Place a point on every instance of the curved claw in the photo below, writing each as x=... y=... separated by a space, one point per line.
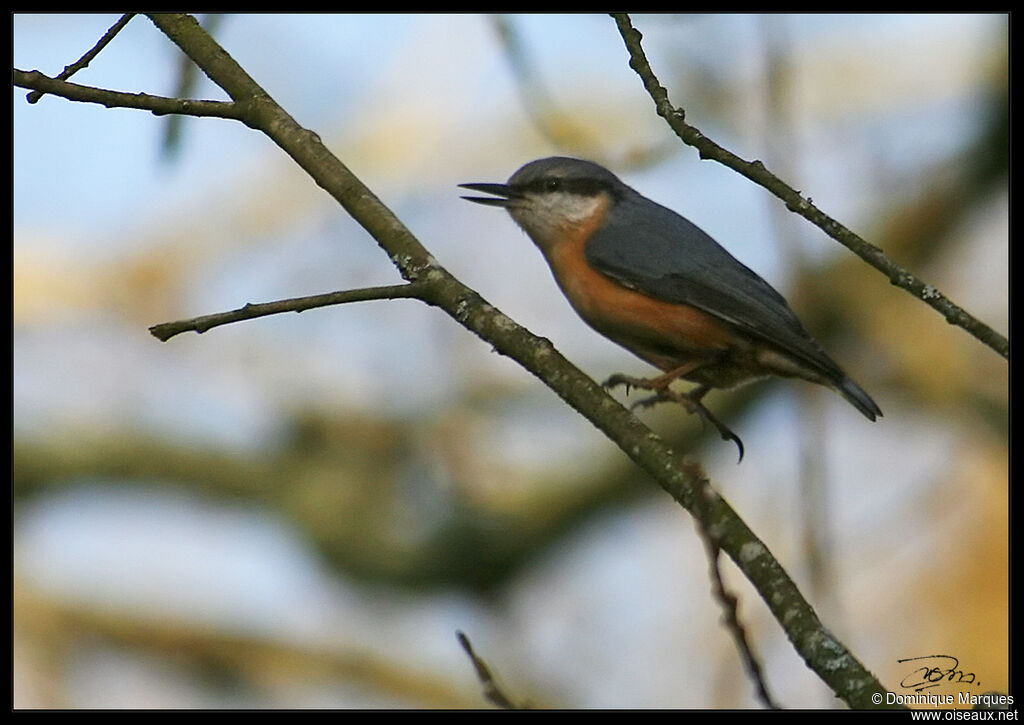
x=723 y=430
x=739 y=444
x=691 y=401
x=728 y=435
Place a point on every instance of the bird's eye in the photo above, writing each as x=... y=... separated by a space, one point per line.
x=552 y=184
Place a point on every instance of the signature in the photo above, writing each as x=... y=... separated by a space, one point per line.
x=934 y=670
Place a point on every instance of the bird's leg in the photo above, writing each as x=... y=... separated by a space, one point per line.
x=691 y=401
x=663 y=393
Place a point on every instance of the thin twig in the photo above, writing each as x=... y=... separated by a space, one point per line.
x=491 y=690
x=83 y=62
x=756 y=172
x=727 y=599
x=166 y=330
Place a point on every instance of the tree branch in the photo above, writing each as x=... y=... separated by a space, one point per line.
x=166 y=330
x=756 y=172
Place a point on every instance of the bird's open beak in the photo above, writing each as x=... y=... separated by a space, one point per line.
x=500 y=190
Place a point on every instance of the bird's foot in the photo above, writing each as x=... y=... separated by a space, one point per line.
x=664 y=394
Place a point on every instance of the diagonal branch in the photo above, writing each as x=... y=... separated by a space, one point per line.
x=166 y=330
x=84 y=61
x=756 y=172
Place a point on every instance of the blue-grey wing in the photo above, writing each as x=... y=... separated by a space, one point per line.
x=649 y=248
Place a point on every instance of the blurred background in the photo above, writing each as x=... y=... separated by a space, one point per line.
x=300 y=511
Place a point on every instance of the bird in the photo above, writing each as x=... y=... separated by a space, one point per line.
x=653 y=282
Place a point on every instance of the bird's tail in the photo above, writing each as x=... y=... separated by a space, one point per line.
x=859 y=399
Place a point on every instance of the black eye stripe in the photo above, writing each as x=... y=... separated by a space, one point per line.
x=583 y=187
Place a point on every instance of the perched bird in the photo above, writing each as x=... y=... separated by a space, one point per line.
x=651 y=281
